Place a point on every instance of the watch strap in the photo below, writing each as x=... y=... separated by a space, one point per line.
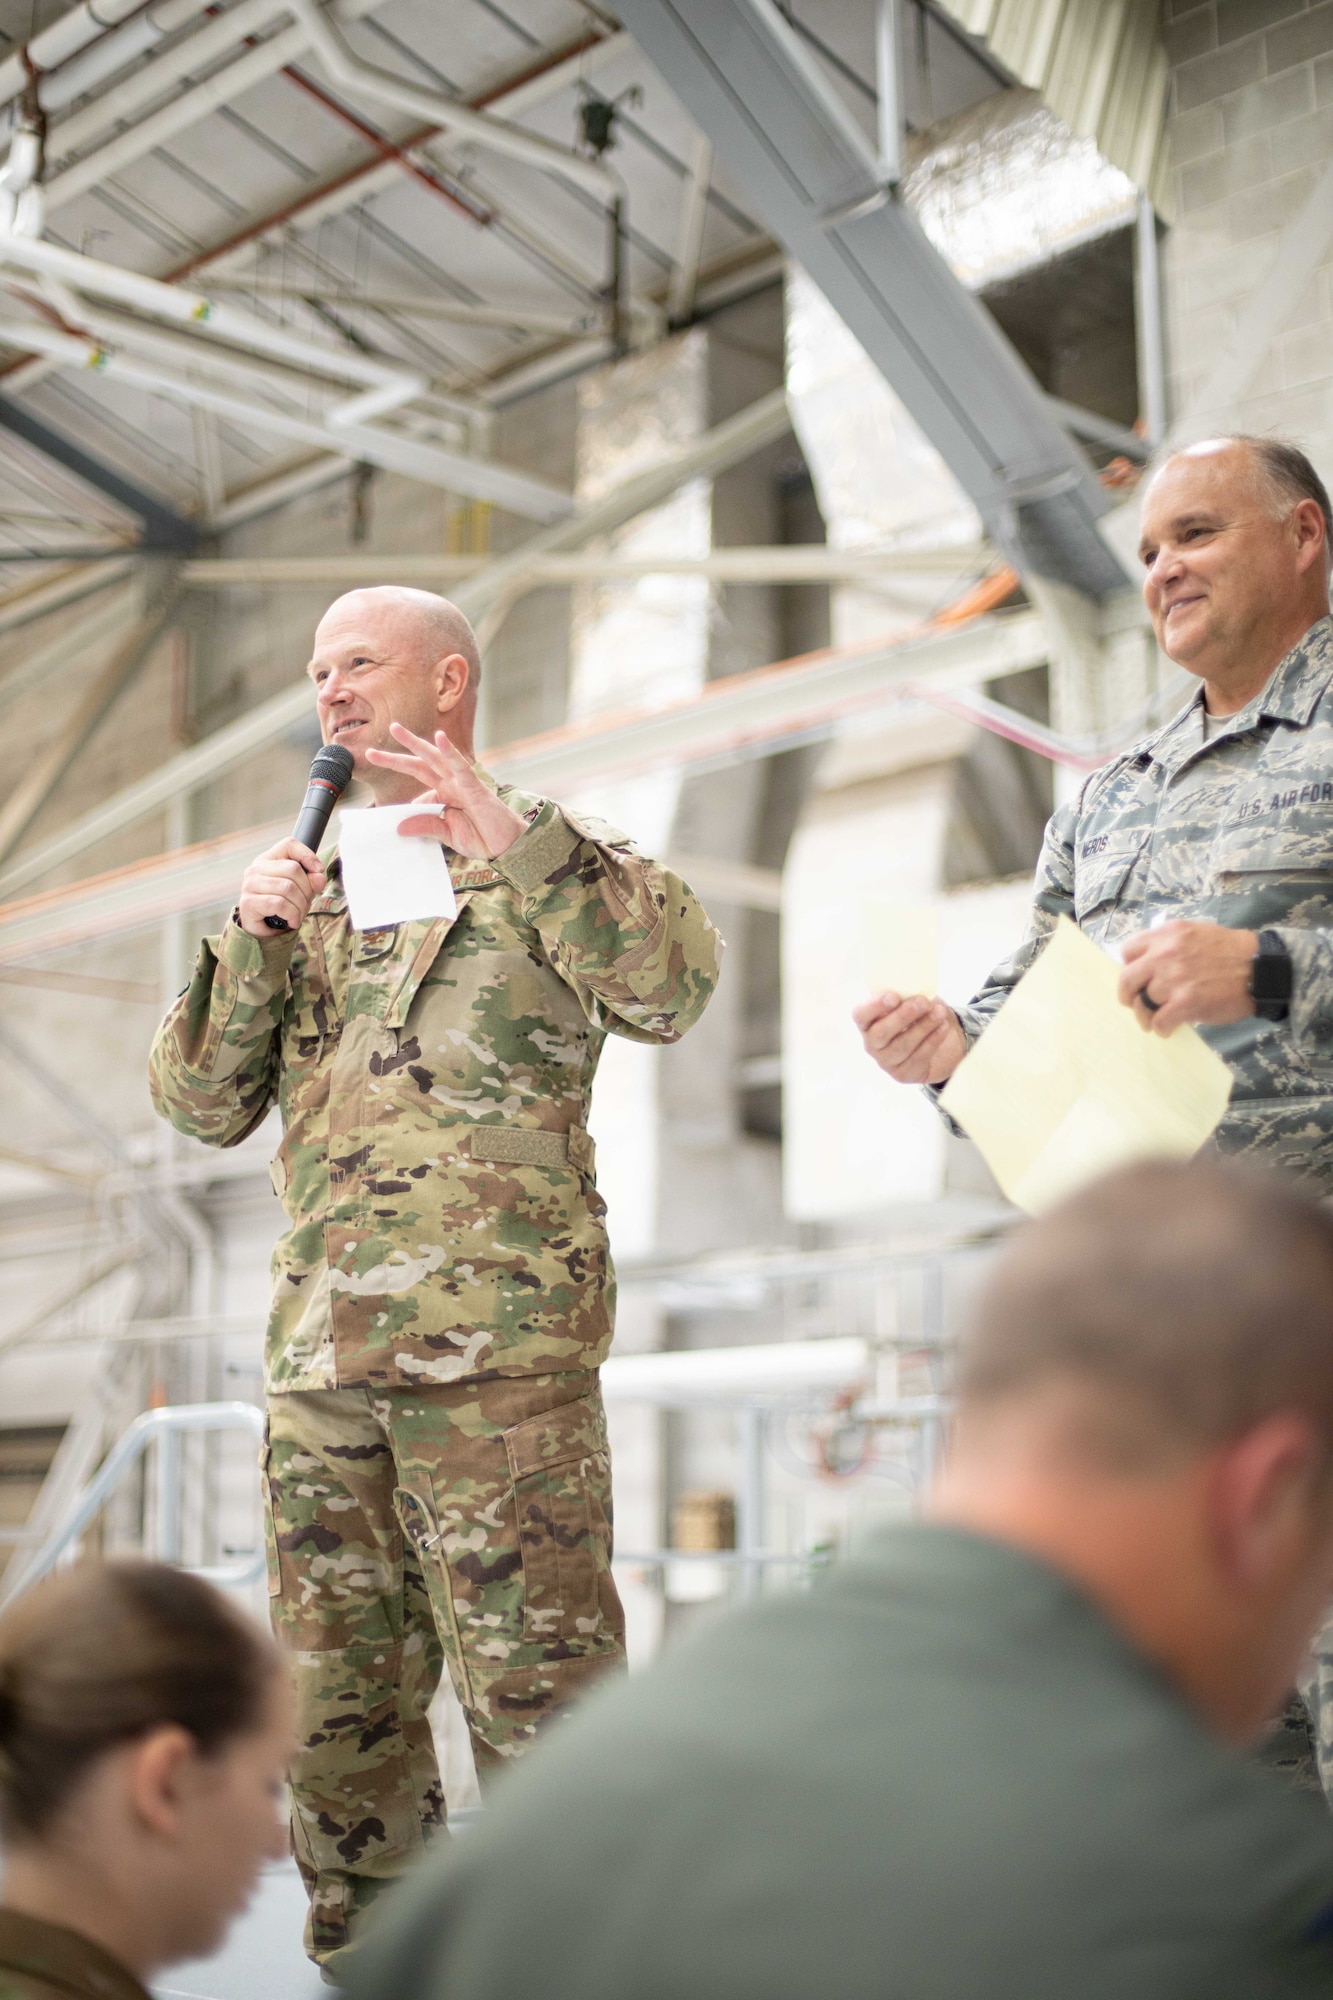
x=1271 y=978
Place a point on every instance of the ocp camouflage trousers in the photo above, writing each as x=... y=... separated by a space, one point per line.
x=1315 y=1684
x=409 y=1528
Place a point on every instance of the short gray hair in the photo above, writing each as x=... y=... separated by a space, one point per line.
x=1286 y=472
x=1192 y=1299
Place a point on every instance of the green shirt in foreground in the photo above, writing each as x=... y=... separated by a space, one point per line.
x=942 y=1776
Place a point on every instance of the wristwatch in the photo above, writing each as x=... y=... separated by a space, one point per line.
x=1270 y=978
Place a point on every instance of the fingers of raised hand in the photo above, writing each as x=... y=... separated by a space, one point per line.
x=398 y=761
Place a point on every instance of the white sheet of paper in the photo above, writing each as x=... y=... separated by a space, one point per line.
x=1064 y=1084
x=390 y=879
x=901 y=942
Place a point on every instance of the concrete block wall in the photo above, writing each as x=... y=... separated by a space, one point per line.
x=1249 y=133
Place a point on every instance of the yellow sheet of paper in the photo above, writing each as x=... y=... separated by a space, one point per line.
x=1064 y=1084
x=901 y=942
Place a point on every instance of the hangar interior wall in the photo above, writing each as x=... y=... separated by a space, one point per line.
x=764 y=1134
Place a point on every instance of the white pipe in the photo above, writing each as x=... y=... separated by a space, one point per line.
x=787 y=562
x=412 y=303
x=366 y=80
x=267 y=494
x=23 y=160
x=116 y=51
x=182 y=111
x=483 y=479
x=151 y=81
x=376 y=402
x=175 y=350
x=787 y=1371
x=21 y=203
x=252 y=68
x=63 y=39
x=195 y=310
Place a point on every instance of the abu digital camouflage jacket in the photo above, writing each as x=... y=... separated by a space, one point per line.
x=434 y=1083
x=1234 y=830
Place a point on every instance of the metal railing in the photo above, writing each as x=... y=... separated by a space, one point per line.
x=161 y=1431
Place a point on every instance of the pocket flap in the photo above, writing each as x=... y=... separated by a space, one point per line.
x=570 y=1432
x=1294 y=851
x=431 y=935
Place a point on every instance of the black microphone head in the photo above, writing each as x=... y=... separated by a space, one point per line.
x=332 y=766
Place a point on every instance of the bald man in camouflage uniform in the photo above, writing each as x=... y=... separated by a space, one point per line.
x=438 y=1484
x=1205 y=852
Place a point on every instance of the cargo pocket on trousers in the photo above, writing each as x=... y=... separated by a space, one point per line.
x=272 y=1560
x=554 y=1460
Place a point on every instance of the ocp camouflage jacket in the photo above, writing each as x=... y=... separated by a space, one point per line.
x=434 y=1082
x=1237 y=830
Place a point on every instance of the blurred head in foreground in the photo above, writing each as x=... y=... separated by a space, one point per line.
x=992 y=1757
x=143 y=1742
x=1147 y=1402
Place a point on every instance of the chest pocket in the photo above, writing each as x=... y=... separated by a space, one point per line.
x=424 y=943
x=1242 y=856
x=1101 y=877
x=1274 y=877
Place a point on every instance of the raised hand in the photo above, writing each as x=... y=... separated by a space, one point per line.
x=473 y=820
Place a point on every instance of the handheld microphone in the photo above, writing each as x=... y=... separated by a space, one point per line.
x=328 y=781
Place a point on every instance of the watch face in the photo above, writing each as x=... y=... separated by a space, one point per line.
x=1270 y=976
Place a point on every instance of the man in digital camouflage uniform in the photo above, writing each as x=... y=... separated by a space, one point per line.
x=438 y=1485
x=1205 y=853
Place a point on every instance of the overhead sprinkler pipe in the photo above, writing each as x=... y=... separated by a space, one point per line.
x=118 y=331
x=21 y=205
x=367 y=80
x=376 y=402
x=480 y=478
x=111 y=47
x=200 y=313
x=205 y=53
x=56 y=44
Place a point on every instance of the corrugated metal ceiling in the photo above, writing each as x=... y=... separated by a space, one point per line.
x=330 y=217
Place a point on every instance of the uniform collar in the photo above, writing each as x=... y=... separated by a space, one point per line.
x=1290 y=695
x=58 y=1957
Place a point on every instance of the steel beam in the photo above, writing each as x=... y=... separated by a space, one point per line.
x=743 y=715
x=814 y=180
x=164 y=530
x=727 y=444
x=781 y=562
x=45 y=771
